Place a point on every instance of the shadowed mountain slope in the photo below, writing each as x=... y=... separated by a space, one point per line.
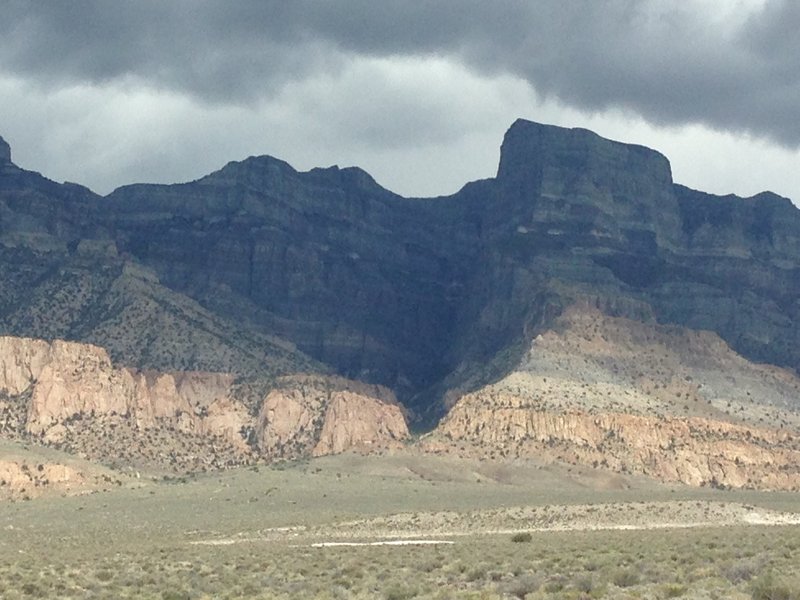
x=421 y=295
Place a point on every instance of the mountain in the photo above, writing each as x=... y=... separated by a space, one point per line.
x=266 y=273
x=659 y=400
x=70 y=396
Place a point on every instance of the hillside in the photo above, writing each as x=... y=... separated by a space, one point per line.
x=687 y=303
x=635 y=397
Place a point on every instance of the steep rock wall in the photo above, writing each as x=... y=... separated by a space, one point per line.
x=309 y=415
x=65 y=393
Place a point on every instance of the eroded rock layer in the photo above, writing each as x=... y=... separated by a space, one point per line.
x=71 y=396
x=663 y=401
x=317 y=416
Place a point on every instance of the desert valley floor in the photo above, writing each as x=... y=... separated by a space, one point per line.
x=399 y=525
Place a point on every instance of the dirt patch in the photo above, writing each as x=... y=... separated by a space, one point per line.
x=421 y=527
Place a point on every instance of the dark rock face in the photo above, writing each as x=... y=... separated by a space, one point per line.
x=582 y=217
x=359 y=278
x=425 y=294
x=738 y=274
x=5 y=152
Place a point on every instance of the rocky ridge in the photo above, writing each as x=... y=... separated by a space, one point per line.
x=71 y=396
x=309 y=415
x=663 y=401
x=257 y=273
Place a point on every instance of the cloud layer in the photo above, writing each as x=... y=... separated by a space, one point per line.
x=374 y=81
x=736 y=69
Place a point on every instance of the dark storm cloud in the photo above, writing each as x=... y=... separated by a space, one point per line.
x=668 y=62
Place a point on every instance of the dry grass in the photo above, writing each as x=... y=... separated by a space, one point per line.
x=137 y=542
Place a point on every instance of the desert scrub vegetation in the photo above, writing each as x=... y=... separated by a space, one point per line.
x=247 y=533
x=577 y=565
x=773 y=586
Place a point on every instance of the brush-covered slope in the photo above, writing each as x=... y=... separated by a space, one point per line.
x=72 y=397
x=664 y=401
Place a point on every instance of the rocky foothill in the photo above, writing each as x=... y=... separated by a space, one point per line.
x=69 y=396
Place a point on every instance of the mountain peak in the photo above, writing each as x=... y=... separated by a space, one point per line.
x=530 y=150
x=5 y=152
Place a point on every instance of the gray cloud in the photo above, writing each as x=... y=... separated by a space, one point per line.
x=672 y=65
x=418 y=93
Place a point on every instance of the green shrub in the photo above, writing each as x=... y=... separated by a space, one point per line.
x=584 y=583
x=674 y=590
x=399 y=592
x=625 y=578
x=770 y=587
x=522 y=536
x=742 y=570
x=174 y=595
x=521 y=586
x=105 y=575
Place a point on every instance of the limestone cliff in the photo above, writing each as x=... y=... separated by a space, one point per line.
x=663 y=401
x=572 y=217
x=75 y=398
x=418 y=295
x=71 y=395
x=688 y=450
x=317 y=416
x=262 y=271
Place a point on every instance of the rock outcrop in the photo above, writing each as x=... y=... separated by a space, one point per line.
x=72 y=391
x=25 y=480
x=71 y=395
x=662 y=401
x=318 y=416
x=690 y=450
x=5 y=152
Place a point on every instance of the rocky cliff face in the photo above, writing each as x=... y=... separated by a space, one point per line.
x=576 y=218
x=327 y=259
x=663 y=401
x=693 y=451
x=70 y=395
x=312 y=416
x=413 y=294
x=264 y=272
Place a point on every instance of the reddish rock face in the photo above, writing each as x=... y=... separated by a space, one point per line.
x=67 y=387
x=691 y=450
x=614 y=393
x=319 y=416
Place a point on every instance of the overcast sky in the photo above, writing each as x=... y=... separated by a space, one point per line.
x=418 y=93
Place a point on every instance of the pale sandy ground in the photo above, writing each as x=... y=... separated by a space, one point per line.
x=431 y=527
